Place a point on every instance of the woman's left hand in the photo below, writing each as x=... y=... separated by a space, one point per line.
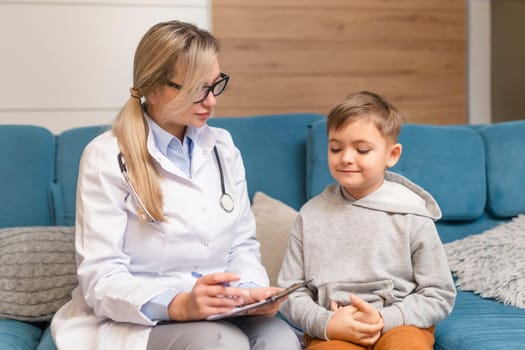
x=257 y=294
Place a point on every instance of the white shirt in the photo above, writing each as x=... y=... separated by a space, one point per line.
x=123 y=262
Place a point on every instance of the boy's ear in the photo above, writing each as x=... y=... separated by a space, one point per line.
x=395 y=154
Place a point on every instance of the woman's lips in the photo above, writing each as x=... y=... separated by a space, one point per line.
x=204 y=115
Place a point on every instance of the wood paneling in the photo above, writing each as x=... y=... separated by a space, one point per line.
x=305 y=56
x=367 y=4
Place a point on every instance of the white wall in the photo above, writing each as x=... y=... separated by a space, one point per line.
x=68 y=63
x=479 y=48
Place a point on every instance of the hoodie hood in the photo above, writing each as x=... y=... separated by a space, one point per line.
x=397 y=195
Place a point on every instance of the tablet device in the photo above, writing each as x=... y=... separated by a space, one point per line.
x=241 y=310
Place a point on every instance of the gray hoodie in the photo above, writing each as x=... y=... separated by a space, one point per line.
x=384 y=248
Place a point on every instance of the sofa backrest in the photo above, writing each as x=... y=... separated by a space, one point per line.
x=449 y=162
x=477 y=173
x=27 y=154
x=70 y=145
x=274 y=157
x=505 y=152
x=457 y=164
x=274 y=154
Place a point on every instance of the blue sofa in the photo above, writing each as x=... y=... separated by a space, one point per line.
x=476 y=173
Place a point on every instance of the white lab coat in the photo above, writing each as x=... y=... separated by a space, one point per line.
x=123 y=263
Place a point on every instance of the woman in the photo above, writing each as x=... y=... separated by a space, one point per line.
x=164 y=230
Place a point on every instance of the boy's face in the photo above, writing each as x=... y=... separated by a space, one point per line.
x=358 y=156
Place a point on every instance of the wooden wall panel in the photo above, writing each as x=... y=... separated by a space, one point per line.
x=305 y=56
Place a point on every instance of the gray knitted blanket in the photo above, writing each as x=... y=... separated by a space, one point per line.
x=492 y=264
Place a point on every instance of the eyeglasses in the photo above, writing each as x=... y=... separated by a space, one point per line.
x=216 y=88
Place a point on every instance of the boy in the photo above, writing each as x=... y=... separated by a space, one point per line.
x=380 y=274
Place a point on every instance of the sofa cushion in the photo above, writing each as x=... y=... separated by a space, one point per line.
x=27 y=155
x=18 y=335
x=317 y=173
x=455 y=179
x=481 y=324
x=504 y=146
x=273 y=148
x=46 y=341
x=274 y=221
x=70 y=145
x=37 y=271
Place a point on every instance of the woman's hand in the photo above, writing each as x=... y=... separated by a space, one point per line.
x=257 y=294
x=360 y=322
x=210 y=295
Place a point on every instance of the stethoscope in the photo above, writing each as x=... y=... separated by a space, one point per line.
x=226 y=200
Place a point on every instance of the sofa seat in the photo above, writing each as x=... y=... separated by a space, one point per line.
x=481 y=324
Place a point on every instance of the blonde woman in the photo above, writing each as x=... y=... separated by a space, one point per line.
x=164 y=233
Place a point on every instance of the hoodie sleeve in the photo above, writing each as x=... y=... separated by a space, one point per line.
x=435 y=294
x=301 y=308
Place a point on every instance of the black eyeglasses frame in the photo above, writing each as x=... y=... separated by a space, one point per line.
x=223 y=78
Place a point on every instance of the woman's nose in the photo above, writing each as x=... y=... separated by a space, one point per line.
x=210 y=100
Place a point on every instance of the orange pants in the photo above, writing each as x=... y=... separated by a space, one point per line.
x=398 y=338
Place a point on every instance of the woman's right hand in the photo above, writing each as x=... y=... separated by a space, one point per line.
x=210 y=295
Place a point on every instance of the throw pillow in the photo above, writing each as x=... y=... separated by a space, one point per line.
x=37 y=271
x=492 y=264
x=274 y=221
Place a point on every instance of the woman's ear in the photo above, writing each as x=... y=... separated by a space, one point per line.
x=153 y=97
x=395 y=154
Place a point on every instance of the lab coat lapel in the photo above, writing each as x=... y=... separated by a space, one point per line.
x=200 y=156
x=204 y=141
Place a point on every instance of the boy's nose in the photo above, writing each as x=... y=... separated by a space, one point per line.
x=348 y=156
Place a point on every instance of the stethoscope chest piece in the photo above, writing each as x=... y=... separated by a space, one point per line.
x=227 y=202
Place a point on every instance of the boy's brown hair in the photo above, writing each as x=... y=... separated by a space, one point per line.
x=365 y=104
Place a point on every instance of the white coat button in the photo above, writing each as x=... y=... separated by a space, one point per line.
x=206 y=244
x=204 y=152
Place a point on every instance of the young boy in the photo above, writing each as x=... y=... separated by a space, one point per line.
x=380 y=274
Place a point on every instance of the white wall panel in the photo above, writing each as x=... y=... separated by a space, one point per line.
x=479 y=62
x=69 y=63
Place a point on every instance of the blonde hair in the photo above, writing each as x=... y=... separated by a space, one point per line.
x=165 y=47
x=365 y=104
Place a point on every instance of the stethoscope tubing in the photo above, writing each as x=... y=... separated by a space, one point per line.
x=226 y=200
x=124 y=171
